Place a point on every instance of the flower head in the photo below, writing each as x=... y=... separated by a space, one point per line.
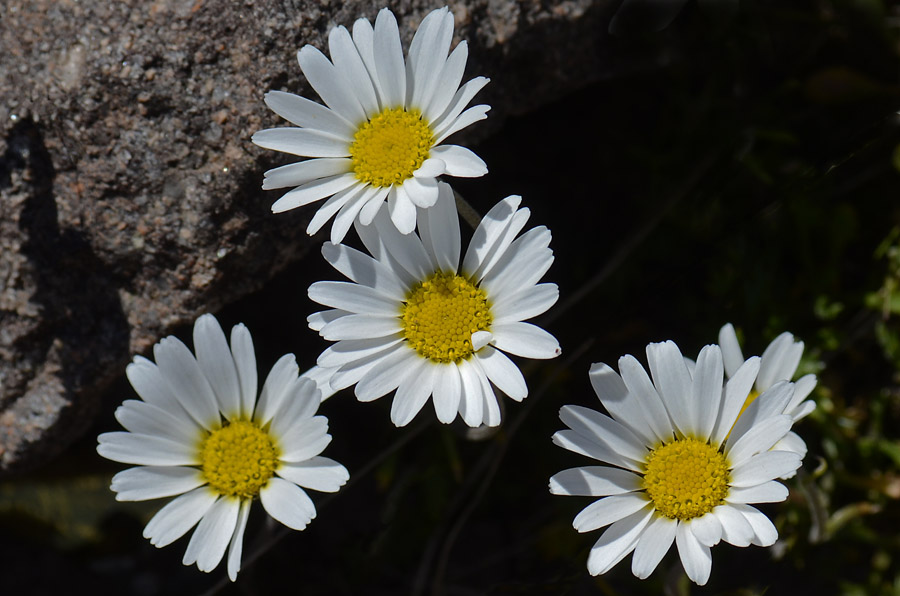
x=682 y=463
x=779 y=362
x=380 y=136
x=415 y=321
x=199 y=434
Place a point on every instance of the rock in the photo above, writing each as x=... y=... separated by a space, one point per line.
x=129 y=189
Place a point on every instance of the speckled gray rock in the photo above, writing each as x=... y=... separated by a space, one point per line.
x=130 y=194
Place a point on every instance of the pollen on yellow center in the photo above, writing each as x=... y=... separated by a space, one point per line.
x=389 y=147
x=686 y=478
x=441 y=314
x=238 y=459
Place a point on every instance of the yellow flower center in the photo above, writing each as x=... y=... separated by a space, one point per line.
x=391 y=146
x=441 y=314
x=238 y=459
x=686 y=478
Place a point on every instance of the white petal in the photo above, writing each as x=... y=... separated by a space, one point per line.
x=653 y=545
x=764 y=467
x=459 y=161
x=574 y=441
x=303 y=142
x=406 y=250
x=355 y=327
x=331 y=85
x=672 y=380
x=389 y=65
x=146 y=419
x=604 y=429
x=187 y=382
x=767 y=492
x=645 y=396
x=353 y=298
x=151 y=385
x=494 y=234
x=287 y=503
x=306 y=113
x=526 y=303
x=769 y=404
x=413 y=391
x=180 y=515
x=304 y=439
x=707 y=529
x=736 y=529
x=245 y=360
x=364 y=40
x=280 y=378
x=314 y=191
x=458 y=103
x=481 y=339
x=502 y=372
x=297 y=174
x=448 y=81
x=402 y=210
x=350 y=350
x=759 y=438
x=343 y=221
x=622 y=405
x=779 y=361
x=764 y=530
x=145 y=450
x=791 y=442
x=236 y=547
x=423 y=192
x=363 y=269
x=467 y=118
x=153 y=482
x=321 y=376
x=696 y=558
x=216 y=362
x=213 y=534
x=607 y=510
x=732 y=356
x=594 y=481
x=431 y=168
x=317 y=473
x=473 y=386
x=301 y=400
x=802 y=388
x=393 y=368
x=737 y=389
x=347 y=60
x=526 y=340
x=617 y=541
x=524 y=262
x=447 y=392
x=427 y=54
x=332 y=206
x=439 y=230
x=707 y=391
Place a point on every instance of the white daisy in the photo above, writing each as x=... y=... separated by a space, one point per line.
x=380 y=135
x=199 y=433
x=416 y=321
x=680 y=466
x=779 y=363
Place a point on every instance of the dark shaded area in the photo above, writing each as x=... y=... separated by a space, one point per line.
x=738 y=168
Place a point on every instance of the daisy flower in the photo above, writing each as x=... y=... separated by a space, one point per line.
x=415 y=321
x=199 y=434
x=380 y=136
x=680 y=465
x=778 y=363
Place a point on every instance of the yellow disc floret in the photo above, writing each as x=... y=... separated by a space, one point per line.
x=238 y=459
x=391 y=146
x=686 y=478
x=441 y=314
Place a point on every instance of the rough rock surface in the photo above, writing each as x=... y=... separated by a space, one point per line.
x=130 y=193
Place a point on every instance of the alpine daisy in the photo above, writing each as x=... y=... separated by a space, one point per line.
x=414 y=320
x=380 y=135
x=680 y=465
x=199 y=434
x=779 y=362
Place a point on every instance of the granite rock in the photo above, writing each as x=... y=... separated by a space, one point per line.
x=130 y=196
